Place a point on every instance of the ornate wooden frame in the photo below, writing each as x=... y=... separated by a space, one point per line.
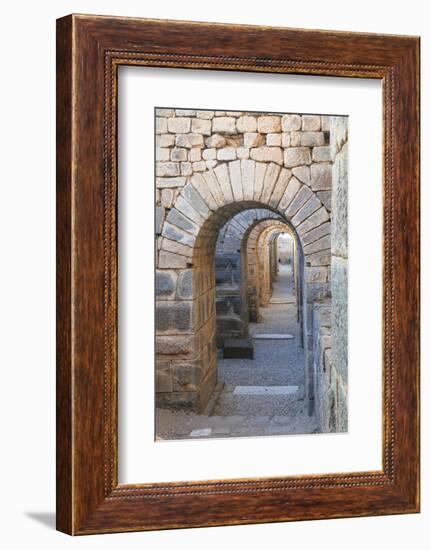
x=89 y=50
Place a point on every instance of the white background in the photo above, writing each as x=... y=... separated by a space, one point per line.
x=27 y=276
x=141 y=458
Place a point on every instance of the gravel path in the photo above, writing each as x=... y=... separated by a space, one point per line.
x=276 y=363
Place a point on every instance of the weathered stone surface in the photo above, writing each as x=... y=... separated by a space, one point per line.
x=170 y=182
x=302 y=173
x=196 y=201
x=160 y=217
x=316 y=219
x=208 y=154
x=178 y=345
x=285 y=139
x=312 y=139
x=166 y=282
x=273 y=140
x=162 y=154
x=165 y=140
x=321 y=177
x=204 y=191
x=236 y=180
x=319 y=258
x=326 y=199
x=177 y=218
x=214 y=186
x=323 y=243
x=208 y=115
x=246 y=124
x=280 y=187
x=289 y=194
x=242 y=153
x=226 y=125
x=252 y=139
x=185 y=285
x=295 y=139
x=259 y=176
x=267 y=154
x=185 y=112
x=177 y=248
x=339 y=285
x=339 y=129
x=186 y=169
x=310 y=123
x=179 y=125
x=340 y=204
x=173 y=261
x=321 y=154
x=312 y=204
x=174 y=316
x=297 y=156
x=167 y=197
x=167 y=169
x=178 y=154
x=199 y=166
x=300 y=198
x=268 y=124
x=210 y=164
x=165 y=112
x=164 y=380
x=215 y=141
x=201 y=126
x=321 y=231
x=291 y=123
x=316 y=274
x=222 y=175
x=161 y=125
x=271 y=176
x=186 y=376
x=226 y=153
x=175 y=233
x=247 y=171
x=187 y=209
x=195 y=154
x=189 y=140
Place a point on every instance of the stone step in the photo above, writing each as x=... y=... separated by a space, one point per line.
x=265 y=390
x=271 y=336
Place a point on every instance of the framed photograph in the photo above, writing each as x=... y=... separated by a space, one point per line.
x=237 y=274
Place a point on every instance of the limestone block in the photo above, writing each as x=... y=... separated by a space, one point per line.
x=280 y=187
x=325 y=123
x=222 y=175
x=177 y=248
x=169 y=260
x=323 y=243
x=236 y=180
x=166 y=283
x=167 y=169
x=296 y=156
x=259 y=176
x=300 y=199
x=246 y=124
x=312 y=139
x=174 y=316
x=226 y=153
x=185 y=112
x=267 y=154
x=220 y=113
x=177 y=345
x=163 y=381
x=195 y=154
x=178 y=154
x=295 y=139
x=208 y=115
x=165 y=112
x=165 y=140
x=310 y=123
x=185 y=285
x=273 y=140
x=242 y=153
x=179 y=125
x=285 y=139
x=215 y=141
x=210 y=164
x=271 y=176
x=186 y=376
x=290 y=192
x=253 y=139
x=319 y=258
x=247 y=171
x=204 y=191
x=340 y=205
x=162 y=153
x=321 y=231
x=325 y=198
x=302 y=173
x=195 y=200
x=167 y=197
x=179 y=220
x=214 y=185
x=339 y=130
x=312 y=204
x=316 y=219
x=201 y=126
x=291 y=123
x=160 y=218
x=209 y=154
x=170 y=182
x=161 y=125
x=268 y=124
x=316 y=274
x=199 y=166
x=321 y=177
x=186 y=169
x=183 y=205
x=177 y=234
x=224 y=124
x=189 y=140
x=321 y=154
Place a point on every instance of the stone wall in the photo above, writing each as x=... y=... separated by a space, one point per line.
x=210 y=166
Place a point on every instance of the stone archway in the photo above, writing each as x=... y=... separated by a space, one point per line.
x=185 y=279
